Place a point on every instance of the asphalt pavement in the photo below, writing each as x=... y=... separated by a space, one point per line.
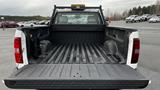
x=149 y=63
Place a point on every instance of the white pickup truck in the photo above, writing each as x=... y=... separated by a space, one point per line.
x=76 y=51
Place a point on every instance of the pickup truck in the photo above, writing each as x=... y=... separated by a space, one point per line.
x=77 y=50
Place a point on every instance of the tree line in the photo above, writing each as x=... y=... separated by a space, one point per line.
x=140 y=10
x=23 y=18
x=153 y=9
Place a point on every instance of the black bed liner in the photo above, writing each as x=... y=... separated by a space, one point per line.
x=79 y=54
x=76 y=76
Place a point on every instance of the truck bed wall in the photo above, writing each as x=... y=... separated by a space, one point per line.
x=77 y=34
x=62 y=37
x=121 y=37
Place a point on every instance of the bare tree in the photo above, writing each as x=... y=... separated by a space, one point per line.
x=125 y=14
x=157 y=7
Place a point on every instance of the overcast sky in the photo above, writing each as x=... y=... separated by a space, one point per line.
x=39 y=7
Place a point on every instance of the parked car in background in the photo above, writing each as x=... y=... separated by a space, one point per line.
x=12 y=24
x=47 y=22
x=138 y=19
x=22 y=24
x=8 y=24
x=150 y=16
x=145 y=17
x=44 y=22
x=131 y=18
x=154 y=19
x=31 y=24
x=27 y=23
x=0 y=24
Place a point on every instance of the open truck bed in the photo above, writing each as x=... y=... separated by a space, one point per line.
x=77 y=66
x=82 y=55
x=79 y=60
x=76 y=76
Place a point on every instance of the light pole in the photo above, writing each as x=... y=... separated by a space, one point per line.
x=2 y=18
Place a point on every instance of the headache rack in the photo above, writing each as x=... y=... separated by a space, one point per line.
x=81 y=7
x=70 y=7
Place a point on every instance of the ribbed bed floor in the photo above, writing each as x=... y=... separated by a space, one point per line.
x=79 y=54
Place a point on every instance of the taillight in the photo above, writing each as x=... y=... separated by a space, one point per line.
x=136 y=49
x=18 y=50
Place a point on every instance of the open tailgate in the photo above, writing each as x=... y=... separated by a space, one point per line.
x=76 y=76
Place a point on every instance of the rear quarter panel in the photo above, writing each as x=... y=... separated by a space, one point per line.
x=20 y=34
x=130 y=48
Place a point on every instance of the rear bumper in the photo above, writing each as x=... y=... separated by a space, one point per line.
x=76 y=84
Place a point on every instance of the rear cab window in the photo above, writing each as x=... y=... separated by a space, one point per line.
x=78 y=18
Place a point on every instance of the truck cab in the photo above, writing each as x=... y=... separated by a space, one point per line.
x=77 y=50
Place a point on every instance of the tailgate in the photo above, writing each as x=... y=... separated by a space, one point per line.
x=76 y=76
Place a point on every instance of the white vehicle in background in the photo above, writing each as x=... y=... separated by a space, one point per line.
x=145 y=17
x=44 y=22
x=131 y=18
x=29 y=24
x=47 y=22
x=20 y=24
x=154 y=19
x=41 y=22
x=150 y=16
x=138 y=19
x=24 y=24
